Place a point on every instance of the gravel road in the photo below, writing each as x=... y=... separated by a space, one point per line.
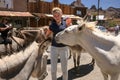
x=85 y=72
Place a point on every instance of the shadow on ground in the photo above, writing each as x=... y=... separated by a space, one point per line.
x=80 y=72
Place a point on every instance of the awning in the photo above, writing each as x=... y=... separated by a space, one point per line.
x=71 y=16
x=49 y=15
x=65 y=15
x=41 y=15
x=15 y=14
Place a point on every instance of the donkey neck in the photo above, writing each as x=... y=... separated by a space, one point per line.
x=96 y=38
x=95 y=42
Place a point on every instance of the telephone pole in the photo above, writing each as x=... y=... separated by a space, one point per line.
x=98 y=8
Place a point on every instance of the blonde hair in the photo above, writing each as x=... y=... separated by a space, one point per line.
x=56 y=10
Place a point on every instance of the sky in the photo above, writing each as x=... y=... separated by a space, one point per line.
x=88 y=3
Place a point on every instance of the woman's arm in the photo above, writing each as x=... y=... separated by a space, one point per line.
x=5 y=28
x=48 y=33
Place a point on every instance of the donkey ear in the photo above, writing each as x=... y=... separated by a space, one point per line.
x=94 y=23
x=79 y=21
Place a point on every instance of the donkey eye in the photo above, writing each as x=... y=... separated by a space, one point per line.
x=66 y=31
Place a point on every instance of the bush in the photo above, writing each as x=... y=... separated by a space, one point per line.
x=111 y=23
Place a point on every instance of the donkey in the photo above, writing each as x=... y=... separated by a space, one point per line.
x=29 y=62
x=103 y=48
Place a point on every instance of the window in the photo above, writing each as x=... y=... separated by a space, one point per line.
x=78 y=12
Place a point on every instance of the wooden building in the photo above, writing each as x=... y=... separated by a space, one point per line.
x=42 y=11
x=16 y=11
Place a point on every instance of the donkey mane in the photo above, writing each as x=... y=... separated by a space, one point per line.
x=92 y=27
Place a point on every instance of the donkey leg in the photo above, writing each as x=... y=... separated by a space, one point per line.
x=6 y=49
x=11 y=49
x=78 y=62
x=70 y=54
x=114 y=76
x=105 y=75
x=78 y=58
x=74 y=59
x=78 y=55
x=92 y=62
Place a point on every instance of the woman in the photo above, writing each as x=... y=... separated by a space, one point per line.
x=57 y=25
x=4 y=29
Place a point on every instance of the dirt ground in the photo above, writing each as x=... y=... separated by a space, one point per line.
x=85 y=72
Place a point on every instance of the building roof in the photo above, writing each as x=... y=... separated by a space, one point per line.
x=39 y=14
x=50 y=15
x=15 y=14
x=71 y=16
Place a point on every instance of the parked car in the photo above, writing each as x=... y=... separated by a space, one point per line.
x=102 y=28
